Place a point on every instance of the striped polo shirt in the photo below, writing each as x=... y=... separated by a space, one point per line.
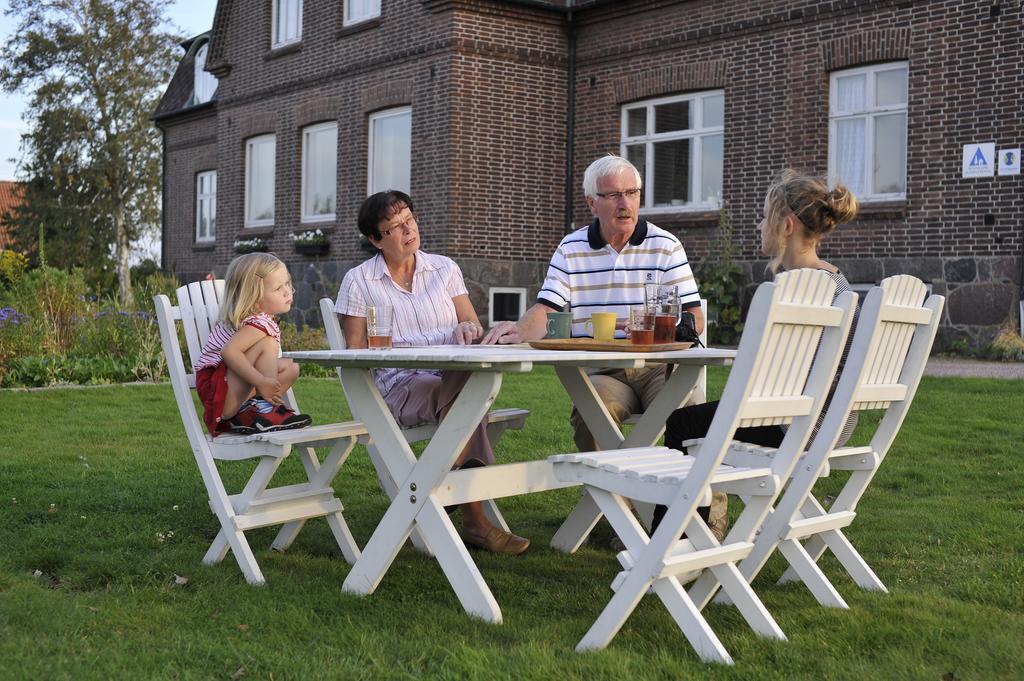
x=422 y=317
x=587 y=275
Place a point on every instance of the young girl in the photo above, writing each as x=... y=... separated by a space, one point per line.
x=799 y=211
x=240 y=378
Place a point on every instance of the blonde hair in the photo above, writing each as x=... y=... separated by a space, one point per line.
x=817 y=209
x=243 y=286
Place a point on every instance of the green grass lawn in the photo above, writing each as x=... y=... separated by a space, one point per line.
x=100 y=494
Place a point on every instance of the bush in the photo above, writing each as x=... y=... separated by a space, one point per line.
x=53 y=302
x=13 y=266
x=60 y=369
x=53 y=331
x=1007 y=346
x=309 y=338
x=720 y=280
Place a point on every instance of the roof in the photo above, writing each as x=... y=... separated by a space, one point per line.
x=10 y=198
x=178 y=96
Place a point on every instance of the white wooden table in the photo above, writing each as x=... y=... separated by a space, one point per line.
x=427 y=485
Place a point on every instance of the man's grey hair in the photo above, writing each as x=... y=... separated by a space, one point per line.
x=604 y=167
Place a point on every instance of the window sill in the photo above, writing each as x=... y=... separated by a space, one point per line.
x=283 y=50
x=882 y=210
x=694 y=219
x=358 y=27
x=319 y=221
x=204 y=246
x=257 y=230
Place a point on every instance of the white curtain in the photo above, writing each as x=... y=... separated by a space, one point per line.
x=392 y=152
x=850 y=146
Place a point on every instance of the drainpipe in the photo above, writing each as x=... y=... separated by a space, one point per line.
x=1020 y=293
x=570 y=127
x=163 y=200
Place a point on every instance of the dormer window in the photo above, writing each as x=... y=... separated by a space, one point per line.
x=360 y=10
x=287 y=27
x=204 y=83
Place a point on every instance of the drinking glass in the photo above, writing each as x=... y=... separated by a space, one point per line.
x=641 y=325
x=378 y=326
x=664 y=301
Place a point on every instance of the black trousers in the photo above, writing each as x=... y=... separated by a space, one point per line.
x=689 y=423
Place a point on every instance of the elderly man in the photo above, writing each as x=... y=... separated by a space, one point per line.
x=603 y=267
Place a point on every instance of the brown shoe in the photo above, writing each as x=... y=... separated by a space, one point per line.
x=496 y=540
x=718 y=518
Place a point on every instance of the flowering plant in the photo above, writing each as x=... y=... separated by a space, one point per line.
x=9 y=315
x=309 y=236
x=252 y=244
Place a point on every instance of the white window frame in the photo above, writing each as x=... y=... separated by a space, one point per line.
x=277 y=40
x=307 y=133
x=250 y=144
x=209 y=199
x=349 y=20
x=504 y=289
x=695 y=133
x=204 y=83
x=374 y=117
x=870 y=112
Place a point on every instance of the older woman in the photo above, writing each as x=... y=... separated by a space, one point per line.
x=430 y=307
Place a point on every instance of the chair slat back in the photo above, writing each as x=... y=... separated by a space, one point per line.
x=898 y=352
x=772 y=379
x=800 y=311
x=901 y=313
x=335 y=338
x=182 y=380
x=199 y=303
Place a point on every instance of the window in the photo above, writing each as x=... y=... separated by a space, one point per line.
x=867 y=130
x=206 y=206
x=505 y=305
x=390 y=150
x=360 y=10
x=260 y=157
x=677 y=145
x=319 y=171
x=204 y=84
x=287 y=27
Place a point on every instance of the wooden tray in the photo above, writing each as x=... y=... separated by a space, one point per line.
x=589 y=344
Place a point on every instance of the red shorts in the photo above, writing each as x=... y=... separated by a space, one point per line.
x=212 y=386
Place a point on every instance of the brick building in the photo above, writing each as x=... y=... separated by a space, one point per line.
x=489 y=110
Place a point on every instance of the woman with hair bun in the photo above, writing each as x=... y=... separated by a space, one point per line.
x=799 y=212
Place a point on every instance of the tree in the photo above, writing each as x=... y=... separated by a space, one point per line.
x=92 y=159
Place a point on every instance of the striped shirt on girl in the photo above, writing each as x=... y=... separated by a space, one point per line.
x=222 y=333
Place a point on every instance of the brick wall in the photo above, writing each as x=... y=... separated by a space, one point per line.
x=190 y=147
x=487 y=82
x=773 y=60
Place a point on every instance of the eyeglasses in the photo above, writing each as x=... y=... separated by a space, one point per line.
x=615 y=196
x=408 y=223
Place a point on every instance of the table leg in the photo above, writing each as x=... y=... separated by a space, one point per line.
x=415 y=502
x=678 y=386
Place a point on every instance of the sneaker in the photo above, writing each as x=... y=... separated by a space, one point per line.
x=260 y=416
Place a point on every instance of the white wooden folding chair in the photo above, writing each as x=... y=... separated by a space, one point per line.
x=498 y=421
x=256 y=505
x=887 y=358
x=772 y=382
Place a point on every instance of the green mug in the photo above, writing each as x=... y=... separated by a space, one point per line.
x=559 y=325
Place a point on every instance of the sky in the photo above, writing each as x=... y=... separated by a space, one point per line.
x=191 y=17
